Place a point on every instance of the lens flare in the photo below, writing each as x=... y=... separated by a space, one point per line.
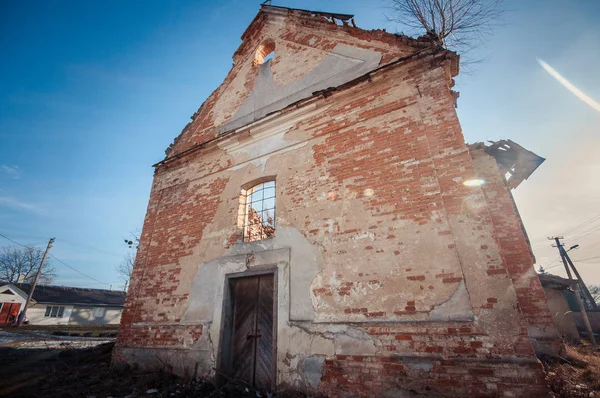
x=578 y=93
x=476 y=182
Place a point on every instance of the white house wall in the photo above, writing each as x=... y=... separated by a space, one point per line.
x=83 y=315
x=35 y=315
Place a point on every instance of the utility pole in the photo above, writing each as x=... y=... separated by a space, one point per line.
x=558 y=244
x=567 y=260
x=37 y=275
x=576 y=286
x=582 y=285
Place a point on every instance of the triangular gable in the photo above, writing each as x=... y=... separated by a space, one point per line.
x=14 y=290
x=311 y=53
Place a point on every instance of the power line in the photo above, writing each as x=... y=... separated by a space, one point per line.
x=553 y=261
x=585 y=259
x=582 y=224
x=90 y=246
x=587 y=232
x=79 y=272
x=59 y=260
x=16 y=243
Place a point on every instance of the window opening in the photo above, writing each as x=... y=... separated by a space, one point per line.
x=258 y=205
x=99 y=312
x=264 y=52
x=54 y=312
x=269 y=56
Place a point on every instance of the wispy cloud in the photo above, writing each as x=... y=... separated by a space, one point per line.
x=14 y=172
x=13 y=203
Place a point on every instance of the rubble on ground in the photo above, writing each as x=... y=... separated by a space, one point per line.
x=87 y=373
x=576 y=375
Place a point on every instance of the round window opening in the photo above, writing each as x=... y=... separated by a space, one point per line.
x=264 y=52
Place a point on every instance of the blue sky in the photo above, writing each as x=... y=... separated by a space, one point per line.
x=91 y=94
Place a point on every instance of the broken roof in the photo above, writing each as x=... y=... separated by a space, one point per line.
x=74 y=295
x=516 y=162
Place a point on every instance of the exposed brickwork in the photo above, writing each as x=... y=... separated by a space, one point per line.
x=516 y=253
x=176 y=217
x=424 y=283
x=368 y=376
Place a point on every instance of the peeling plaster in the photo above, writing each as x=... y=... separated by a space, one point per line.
x=342 y=64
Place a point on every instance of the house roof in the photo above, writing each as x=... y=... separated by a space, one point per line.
x=555 y=281
x=74 y=295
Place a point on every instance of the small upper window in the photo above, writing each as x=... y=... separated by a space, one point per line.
x=257 y=211
x=264 y=52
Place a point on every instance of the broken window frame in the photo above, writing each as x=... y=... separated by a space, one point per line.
x=253 y=199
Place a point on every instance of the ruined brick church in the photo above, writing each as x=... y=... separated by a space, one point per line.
x=322 y=225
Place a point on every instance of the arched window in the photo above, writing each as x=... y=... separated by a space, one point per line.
x=257 y=211
x=264 y=52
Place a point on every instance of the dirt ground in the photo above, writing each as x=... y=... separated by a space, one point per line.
x=575 y=375
x=86 y=372
x=29 y=373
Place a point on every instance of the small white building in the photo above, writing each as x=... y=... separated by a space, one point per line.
x=62 y=305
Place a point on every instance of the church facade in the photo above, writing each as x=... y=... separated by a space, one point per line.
x=322 y=225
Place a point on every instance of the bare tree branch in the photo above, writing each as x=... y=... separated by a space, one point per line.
x=458 y=25
x=125 y=267
x=17 y=260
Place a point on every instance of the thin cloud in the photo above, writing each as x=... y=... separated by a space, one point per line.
x=14 y=172
x=13 y=203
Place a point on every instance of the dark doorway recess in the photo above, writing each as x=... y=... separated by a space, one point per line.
x=249 y=328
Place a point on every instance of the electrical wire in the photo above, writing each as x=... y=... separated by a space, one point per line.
x=585 y=259
x=586 y=233
x=597 y=217
x=59 y=260
x=79 y=272
x=16 y=243
x=553 y=261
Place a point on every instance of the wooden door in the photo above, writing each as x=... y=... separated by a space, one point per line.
x=7 y=309
x=252 y=335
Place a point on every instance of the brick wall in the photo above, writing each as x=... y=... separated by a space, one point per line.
x=517 y=257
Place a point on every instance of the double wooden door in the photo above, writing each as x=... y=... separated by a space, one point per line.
x=252 y=335
x=6 y=310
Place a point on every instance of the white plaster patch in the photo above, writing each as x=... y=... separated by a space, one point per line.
x=364 y=235
x=341 y=65
x=354 y=341
x=457 y=308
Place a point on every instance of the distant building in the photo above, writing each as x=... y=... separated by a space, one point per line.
x=564 y=308
x=62 y=305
